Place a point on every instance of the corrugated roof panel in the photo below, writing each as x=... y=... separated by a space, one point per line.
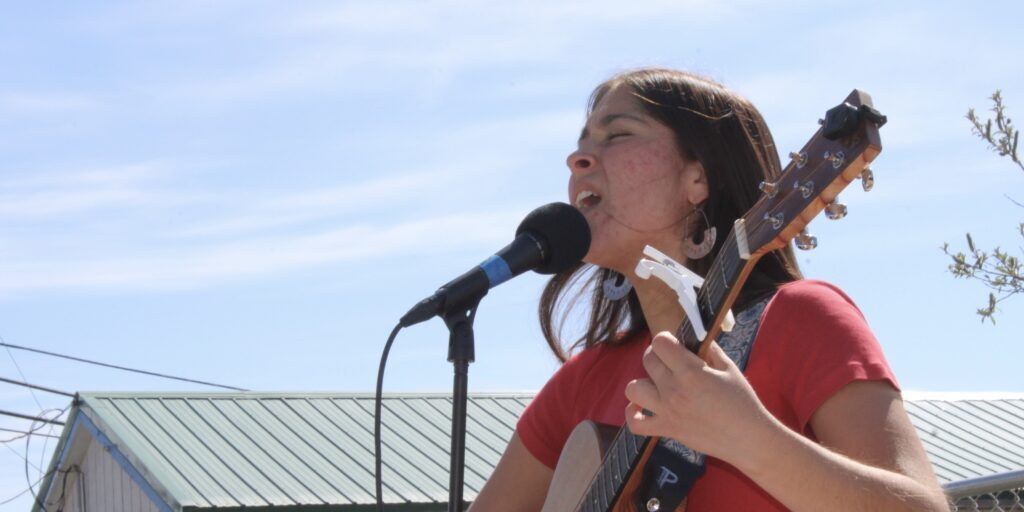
x=247 y=459
x=328 y=426
x=326 y=458
x=318 y=478
x=953 y=431
x=397 y=486
x=279 y=461
x=1004 y=417
x=421 y=461
x=134 y=443
x=179 y=464
x=950 y=461
x=970 y=438
x=357 y=440
x=260 y=450
x=235 y=468
x=222 y=486
x=435 y=441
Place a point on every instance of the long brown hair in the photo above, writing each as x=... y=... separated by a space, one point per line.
x=727 y=135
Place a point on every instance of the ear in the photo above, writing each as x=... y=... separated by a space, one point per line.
x=696 y=182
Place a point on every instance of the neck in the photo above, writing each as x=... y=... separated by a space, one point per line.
x=660 y=303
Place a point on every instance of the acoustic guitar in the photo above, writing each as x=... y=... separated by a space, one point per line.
x=597 y=471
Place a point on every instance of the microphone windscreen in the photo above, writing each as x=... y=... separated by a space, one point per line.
x=564 y=232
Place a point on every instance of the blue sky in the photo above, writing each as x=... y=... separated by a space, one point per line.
x=252 y=193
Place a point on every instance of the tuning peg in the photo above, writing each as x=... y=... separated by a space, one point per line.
x=867 y=179
x=769 y=188
x=776 y=220
x=805 y=241
x=835 y=210
x=799 y=158
x=806 y=189
x=836 y=158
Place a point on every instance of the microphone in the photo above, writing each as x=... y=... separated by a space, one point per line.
x=550 y=239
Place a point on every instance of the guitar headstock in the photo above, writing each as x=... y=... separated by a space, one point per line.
x=838 y=153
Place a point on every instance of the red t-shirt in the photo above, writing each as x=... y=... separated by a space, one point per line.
x=812 y=341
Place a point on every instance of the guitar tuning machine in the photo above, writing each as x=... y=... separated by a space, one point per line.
x=806 y=189
x=770 y=189
x=836 y=158
x=867 y=178
x=835 y=210
x=799 y=158
x=776 y=220
x=805 y=241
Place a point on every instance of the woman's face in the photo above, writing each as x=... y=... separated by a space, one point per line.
x=631 y=183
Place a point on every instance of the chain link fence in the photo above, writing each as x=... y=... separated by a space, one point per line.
x=996 y=493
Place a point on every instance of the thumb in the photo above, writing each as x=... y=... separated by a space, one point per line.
x=718 y=359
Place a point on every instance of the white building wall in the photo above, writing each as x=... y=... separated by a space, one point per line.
x=100 y=486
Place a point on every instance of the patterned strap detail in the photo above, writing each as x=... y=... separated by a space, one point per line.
x=673 y=468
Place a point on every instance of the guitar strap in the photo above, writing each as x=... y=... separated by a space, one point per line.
x=672 y=468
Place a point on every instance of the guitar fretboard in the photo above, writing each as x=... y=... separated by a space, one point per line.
x=619 y=463
x=627 y=448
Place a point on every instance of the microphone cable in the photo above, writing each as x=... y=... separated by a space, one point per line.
x=376 y=416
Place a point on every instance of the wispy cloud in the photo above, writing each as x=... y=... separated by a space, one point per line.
x=320 y=48
x=289 y=209
x=36 y=102
x=191 y=267
x=64 y=192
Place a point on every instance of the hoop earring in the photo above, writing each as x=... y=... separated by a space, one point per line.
x=696 y=250
x=616 y=286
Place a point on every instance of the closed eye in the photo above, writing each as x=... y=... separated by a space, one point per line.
x=616 y=135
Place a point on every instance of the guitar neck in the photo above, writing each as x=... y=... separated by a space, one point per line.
x=623 y=457
x=721 y=287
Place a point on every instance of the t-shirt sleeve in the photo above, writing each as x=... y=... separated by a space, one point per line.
x=824 y=343
x=550 y=417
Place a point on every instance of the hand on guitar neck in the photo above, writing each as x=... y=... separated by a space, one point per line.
x=707 y=405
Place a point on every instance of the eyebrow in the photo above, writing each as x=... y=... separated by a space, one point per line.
x=607 y=120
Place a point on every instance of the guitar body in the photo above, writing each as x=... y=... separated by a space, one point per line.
x=580 y=461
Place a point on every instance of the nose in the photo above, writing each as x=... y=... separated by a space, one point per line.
x=579 y=161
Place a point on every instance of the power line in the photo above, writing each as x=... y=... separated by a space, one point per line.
x=31 y=418
x=23 y=433
x=116 y=367
x=9 y=353
x=33 y=386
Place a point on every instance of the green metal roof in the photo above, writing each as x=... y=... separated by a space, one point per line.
x=970 y=435
x=273 y=451
x=298 y=451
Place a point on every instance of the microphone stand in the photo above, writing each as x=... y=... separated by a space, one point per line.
x=460 y=353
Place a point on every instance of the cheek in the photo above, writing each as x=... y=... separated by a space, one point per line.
x=647 y=191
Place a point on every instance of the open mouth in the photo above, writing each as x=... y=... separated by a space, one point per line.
x=586 y=199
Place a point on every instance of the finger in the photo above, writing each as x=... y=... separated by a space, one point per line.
x=718 y=359
x=641 y=423
x=656 y=368
x=644 y=394
x=676 y=357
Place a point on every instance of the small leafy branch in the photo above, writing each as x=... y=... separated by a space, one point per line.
x=998 y=270
x=1004 y=140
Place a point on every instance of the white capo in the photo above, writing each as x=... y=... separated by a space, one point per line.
x=684 y=282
